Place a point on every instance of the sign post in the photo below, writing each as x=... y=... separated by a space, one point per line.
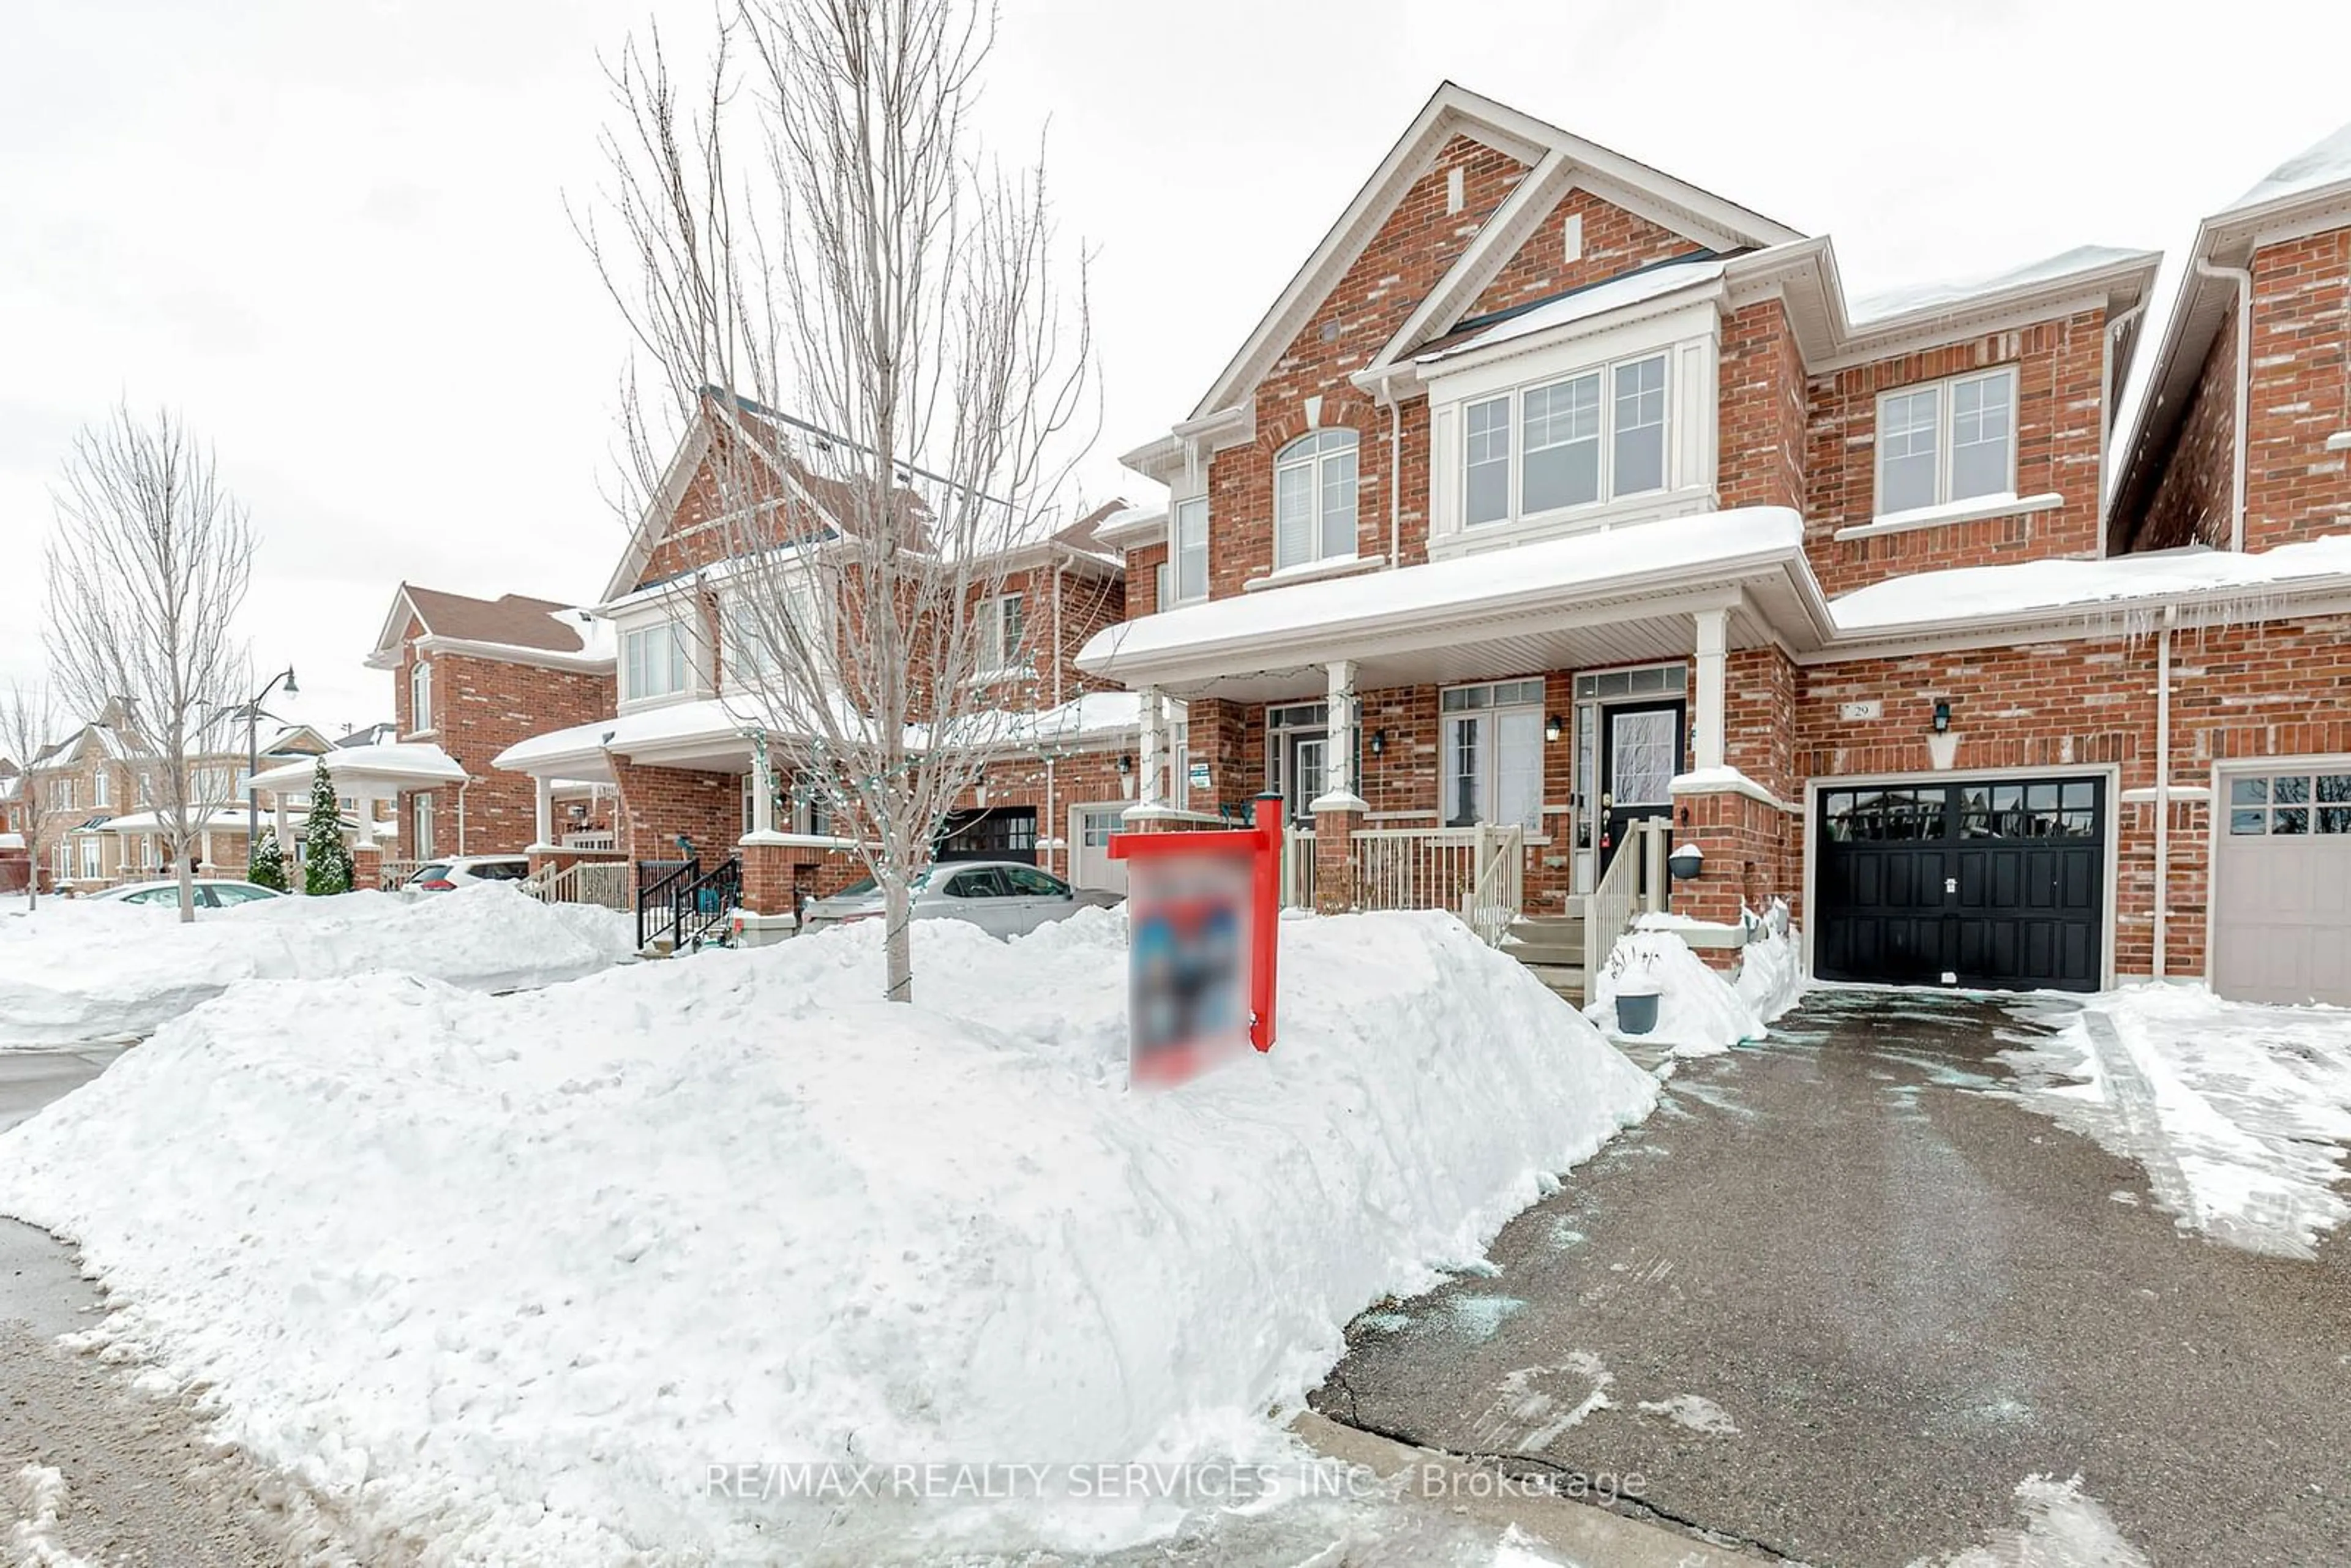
x=1204 y=912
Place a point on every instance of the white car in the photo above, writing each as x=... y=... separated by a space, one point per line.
x=1004 y=897
x=464 y=871
x=212 y=892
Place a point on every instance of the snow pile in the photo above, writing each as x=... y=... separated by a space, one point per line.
x=1700 y=1013
x=1883 y=305
x=78 y=970
x=1771 y=965
x=39 y=1503
x=519 y=1272
x=2324 y=163
x=2240 y=1112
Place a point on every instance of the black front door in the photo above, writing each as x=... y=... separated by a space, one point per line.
x=1992 y=884
x=1640 y=751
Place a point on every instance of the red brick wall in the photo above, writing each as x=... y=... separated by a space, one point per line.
x=1413 y=248
x=2191 y=501
x=1615 y=241
x=2061 y=370
x=1143 y=564
x=657 y=804
x=2301 y=390
x=480 y=707
x=1762 y=428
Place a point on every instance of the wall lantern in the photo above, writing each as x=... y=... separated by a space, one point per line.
x=1942 y=716
x=1686 y=861
x=1379 y=742
x=1125 y=763
x=1552 y=726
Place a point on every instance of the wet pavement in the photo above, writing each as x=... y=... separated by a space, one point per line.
x=1841 y=1295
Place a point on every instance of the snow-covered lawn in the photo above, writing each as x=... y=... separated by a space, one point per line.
x=2240 y=1112
x=75 y=970
x=525 y=1273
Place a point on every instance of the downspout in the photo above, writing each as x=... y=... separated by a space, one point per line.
x=2106 y=417
x=1396 y=474
x=1052 y=808
x=461 y=812
x=2163 y=786
x=2244 y=278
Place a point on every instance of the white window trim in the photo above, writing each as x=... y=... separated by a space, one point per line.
x=420 y=697
x=1513 y=399
x=690 y=687
x=996 y=662
x=1175 y=563
x=1975 y=510
x=1314 y=463
x=1493 y=780
x=1307 y=571
x=1944 y=421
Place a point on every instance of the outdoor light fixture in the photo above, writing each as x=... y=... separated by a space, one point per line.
x=1553 y=727
x=1125 y=764
x=1379 y=741
x=1942 y=716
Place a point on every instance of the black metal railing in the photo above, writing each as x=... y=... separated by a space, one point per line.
x=658 y=882
x=704 y=904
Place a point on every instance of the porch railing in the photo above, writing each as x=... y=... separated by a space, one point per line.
x=390 y=874
x=1499 y=894
x=591 y=839
x=657 y=885
x=1297 y=867
x=1477 y=873
x=706 y=905
x=601 y=883
x=1634 y=884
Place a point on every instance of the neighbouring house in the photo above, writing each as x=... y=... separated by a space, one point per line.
x=100 y=817
x=470 y=678
x=677 y=751
x=1557 y=505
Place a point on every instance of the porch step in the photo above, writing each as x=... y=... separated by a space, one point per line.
x=1552 y=947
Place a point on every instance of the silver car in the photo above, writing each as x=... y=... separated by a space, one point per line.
x=211 y=892
x=1004 y=898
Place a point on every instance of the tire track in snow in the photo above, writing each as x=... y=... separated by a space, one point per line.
x=2133 y=1099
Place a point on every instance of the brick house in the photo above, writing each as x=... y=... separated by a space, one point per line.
x=679 y=741
x=1554 y=496
x=471 y=677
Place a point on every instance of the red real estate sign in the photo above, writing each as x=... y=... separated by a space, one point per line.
x=1202 y=915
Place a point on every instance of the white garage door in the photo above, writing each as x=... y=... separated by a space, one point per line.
x=2281 y=899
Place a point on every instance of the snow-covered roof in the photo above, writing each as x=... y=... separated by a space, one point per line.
x=223 y=818
x=1271 y=626
x=2321 y=166
x=408 y=764
x=1882 y=305
x=1616 y=294
x=2113 y=587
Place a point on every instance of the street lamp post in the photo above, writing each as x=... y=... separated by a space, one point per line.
x=252 y=755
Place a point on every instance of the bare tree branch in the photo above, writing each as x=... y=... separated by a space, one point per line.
x=28 y=723
x=812 y=231
x=149 y=566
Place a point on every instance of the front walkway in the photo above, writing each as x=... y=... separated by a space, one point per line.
x=1840 y=1298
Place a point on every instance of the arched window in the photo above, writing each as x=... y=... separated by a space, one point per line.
x=1314 y=498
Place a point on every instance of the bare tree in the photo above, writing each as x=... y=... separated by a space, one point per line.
x=815 y=231
x=148 y=569
x=28 y=721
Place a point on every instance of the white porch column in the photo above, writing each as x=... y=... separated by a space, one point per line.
x=763 y=792
x=284 y=843
x=1713 y=653
x=1151 y=796
x=208 y=847
x=543 y=828
x=1339 y=752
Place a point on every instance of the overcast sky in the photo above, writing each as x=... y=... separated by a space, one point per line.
x=333 y=236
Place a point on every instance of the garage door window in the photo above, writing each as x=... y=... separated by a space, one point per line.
x=1885 y=816
x=2286 y=804
x=2055 y=810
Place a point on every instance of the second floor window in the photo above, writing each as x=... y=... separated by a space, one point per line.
x=652 y=661
x=1189 y=554
x=420 y=695
x=64 y=795
x=1001 y=632
x=1952 y=441
x=1314 y=500
x=101 y=791
x=1595 y=437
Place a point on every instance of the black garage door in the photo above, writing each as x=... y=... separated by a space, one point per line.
x=1004 y=833
x=1998 y=884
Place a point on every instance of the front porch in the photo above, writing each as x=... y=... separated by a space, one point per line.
x=1489 y=734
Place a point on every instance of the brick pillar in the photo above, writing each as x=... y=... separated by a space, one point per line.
x=1744 y=836
x=1334 y=861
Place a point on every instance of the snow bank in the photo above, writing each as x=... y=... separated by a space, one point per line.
x=76 y=970
x=1700 y=1013
x=519 y=1271
x=2240 y=1112
x=1771 y=965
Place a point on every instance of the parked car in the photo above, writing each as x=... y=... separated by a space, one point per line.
x=212 y=892
x=1003 y=897
x=464 y=871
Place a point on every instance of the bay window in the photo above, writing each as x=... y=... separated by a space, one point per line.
x=652 y=661
x=1947 y=442
x=1493 y=763
x=1314 y=499
x=1597 y=435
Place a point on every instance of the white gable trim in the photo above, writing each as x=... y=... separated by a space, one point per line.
x=666 y=498
x=386 y=655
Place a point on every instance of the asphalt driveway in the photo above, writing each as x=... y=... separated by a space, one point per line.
x=1839 y=1297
